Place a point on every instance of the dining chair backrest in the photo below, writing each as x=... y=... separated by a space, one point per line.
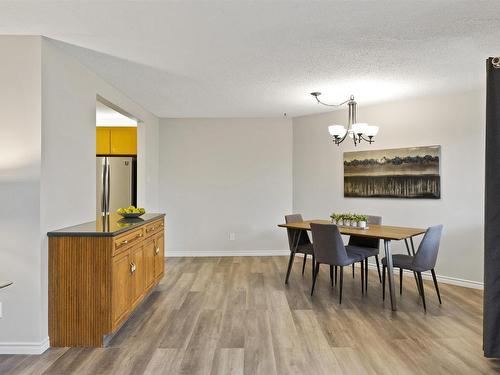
x=328 y=245
x=426 y=256
x=364 y=241
x=304 y=237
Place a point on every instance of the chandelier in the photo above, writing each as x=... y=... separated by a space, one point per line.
x=358 y=131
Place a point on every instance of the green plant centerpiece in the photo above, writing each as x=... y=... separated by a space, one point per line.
x=349 y=220
x=362 y=221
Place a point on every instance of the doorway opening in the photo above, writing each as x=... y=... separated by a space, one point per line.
x=116 y=158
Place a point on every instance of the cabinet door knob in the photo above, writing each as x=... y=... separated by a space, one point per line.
x=132 y=267
x=157 y=250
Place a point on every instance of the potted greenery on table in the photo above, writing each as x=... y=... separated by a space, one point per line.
x=349 y=220
x=362 y=221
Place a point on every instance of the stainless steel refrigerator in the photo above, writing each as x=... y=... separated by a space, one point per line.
x=116 y=183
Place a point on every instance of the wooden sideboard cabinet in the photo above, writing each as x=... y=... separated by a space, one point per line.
x=98 y=276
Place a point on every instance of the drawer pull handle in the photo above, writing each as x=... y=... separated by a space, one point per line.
x=157 y=250
x=124 y=242
x=132 y=267
x=138 y=236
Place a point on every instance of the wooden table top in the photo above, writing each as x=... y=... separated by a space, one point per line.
x=384 y=232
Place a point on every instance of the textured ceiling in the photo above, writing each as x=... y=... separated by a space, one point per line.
x=254 y=59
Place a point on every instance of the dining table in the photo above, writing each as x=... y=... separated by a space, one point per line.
x=387 y=233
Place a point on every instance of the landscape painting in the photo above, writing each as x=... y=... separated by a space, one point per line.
x=393 y=173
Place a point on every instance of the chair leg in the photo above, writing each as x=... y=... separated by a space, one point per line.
x=335 y=275
x=362 y=277
x=366 y=275
x=416 y=282
x=290 y=263
x=331 y=275
x=341 y=282
x=315 y=275
x=436 y=285
x=313 y=264
x=304 y=263
x=420 y=281
x=383 y=282
x=400 y=281
x=378 y=269
x=353 y=270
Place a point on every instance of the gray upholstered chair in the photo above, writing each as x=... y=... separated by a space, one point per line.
x=329 y=249
x=367 y=247
x=304 y=245
x=424 y=260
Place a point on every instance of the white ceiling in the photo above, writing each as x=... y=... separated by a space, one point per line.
x=255 y=59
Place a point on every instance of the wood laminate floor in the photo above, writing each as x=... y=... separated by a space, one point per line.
x=234 y=315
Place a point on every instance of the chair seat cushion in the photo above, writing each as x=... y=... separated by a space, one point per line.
x=400 y=261
x=361 y=250
x=353 y=258
x=305 y=249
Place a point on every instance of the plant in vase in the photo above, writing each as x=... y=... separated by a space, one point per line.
x=333 y=218
x=339 y=219
x=354 y=220
x=346 y=219
x=362 y=221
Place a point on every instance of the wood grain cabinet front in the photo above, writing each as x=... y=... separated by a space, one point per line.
x=149 y=262
x=137 y=274
x=120 y=284
x=95 y=283
x=159 y=255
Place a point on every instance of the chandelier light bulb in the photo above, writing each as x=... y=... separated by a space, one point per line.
x=371 y=131
x=359 y=128
x=337 y=130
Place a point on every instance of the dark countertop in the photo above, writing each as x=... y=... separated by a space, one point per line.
x=110 y=226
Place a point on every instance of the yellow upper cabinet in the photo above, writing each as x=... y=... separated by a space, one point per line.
x=103 y=141
x=116 y=140
x=124 y=141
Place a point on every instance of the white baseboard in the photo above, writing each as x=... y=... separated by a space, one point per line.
x=225 y=253
x=443 y=279
x=24 y=347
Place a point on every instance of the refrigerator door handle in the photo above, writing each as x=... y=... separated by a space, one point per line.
x=103 y=187
x=108 y=186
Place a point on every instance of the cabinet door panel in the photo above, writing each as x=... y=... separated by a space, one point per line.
x=124 y=141
x=137 y=279
x=103 y=141
x=149 y=262
x=120 y=287
x=159 y=255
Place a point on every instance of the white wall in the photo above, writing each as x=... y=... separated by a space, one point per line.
x=456 y=122
x=20 y=149
x=53 y=112
x=225 y=175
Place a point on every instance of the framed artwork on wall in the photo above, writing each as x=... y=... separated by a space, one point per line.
x=393 y=173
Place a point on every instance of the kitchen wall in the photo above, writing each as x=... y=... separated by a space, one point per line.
x=456 y=122
x=222 y=176
x=59 y=183
x=20 y=152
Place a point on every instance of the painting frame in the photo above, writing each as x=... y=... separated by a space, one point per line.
x=401 y=173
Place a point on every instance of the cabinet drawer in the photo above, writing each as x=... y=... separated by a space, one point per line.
x=154 y=227
x=123 y=242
